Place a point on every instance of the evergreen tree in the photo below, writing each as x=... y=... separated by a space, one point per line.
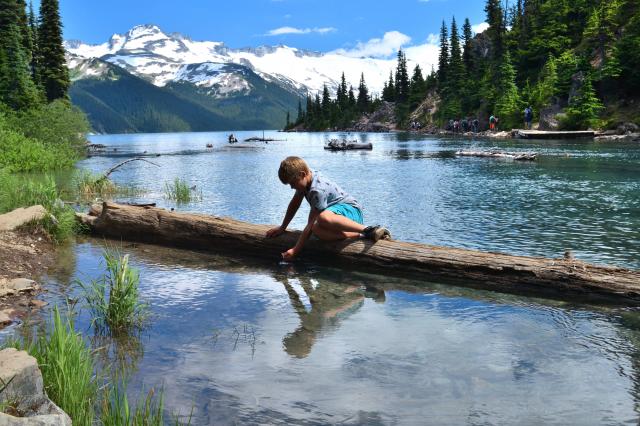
x=341 y=94
x=326 y=100
x=402 y=78
x=389 y=91
x=25 y=30
x=300 y=117
x=443 y=59
x=363 y=100
x=599 y=34
x=35 y=53
x=628 y=54
x=288 y=122
x=53 y=72
x=351 y=99
x=508 y=104
x=495 y=19
x=467 y=37
x=583 y=109
x=418 y=88
x=16 y=86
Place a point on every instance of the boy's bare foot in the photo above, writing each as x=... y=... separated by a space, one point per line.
x=376 y=233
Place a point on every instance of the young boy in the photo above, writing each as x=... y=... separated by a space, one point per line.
x=334 y=215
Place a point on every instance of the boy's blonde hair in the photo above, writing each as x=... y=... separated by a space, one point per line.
x=290 y=168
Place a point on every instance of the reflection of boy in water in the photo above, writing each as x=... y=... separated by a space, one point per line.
x=329 y=302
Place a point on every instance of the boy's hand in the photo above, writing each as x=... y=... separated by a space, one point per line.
x=289 y=254
x=274 y=232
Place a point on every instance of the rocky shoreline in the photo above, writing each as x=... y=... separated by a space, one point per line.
x=25 y=256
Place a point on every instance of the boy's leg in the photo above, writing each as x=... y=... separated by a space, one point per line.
x=331 y=226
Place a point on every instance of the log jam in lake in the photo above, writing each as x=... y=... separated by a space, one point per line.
x=564 y=276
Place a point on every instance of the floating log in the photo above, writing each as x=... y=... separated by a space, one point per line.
x=497 y=271
x=348 y=146
x=545 y=134
x=517 y=156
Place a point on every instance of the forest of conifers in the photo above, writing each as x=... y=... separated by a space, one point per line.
x=578 y=57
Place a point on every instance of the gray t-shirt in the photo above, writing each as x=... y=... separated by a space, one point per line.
x=324 y=193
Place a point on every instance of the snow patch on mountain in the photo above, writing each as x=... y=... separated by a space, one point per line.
x=148 y=52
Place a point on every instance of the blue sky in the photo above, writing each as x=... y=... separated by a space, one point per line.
x=316 y=25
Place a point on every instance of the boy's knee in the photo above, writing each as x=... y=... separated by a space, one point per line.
x=324 y=218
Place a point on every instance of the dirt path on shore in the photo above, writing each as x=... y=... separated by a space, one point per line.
x=24 y=258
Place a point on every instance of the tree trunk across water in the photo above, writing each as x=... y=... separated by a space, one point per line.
x=564 y=277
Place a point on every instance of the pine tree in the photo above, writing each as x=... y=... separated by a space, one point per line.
x=418 y=89
x=583 y=108
x=288 y=122
x=326 y=103
x=53 y=72
x=35 y=53
x=600 y=35
x=508 y=104
x=628 y=54
x=25 y=30
x=16 y=86
x=363 y=100
x=389 y=91
x=467 y=37
x=495 y=19
x=402 y=78
x=443 y=59
x=341 y=94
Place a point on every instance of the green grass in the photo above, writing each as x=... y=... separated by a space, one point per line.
x=180 y=191
x=117 y=411
x=67 y=368
x=21 y=191
x=89 y=186
x=114 y=299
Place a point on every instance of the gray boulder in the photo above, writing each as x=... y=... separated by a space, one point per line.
x=24 y=393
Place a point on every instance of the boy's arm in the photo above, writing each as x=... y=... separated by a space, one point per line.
x=292 y=209
x=304 y=236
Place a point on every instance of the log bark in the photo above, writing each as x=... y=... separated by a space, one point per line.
x=563 y=277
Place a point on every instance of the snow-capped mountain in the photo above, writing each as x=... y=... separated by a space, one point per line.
x=147 y=52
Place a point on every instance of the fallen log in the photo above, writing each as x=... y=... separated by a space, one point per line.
x=517 y=156
x=564 y=277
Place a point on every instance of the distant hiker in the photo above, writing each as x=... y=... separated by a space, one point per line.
x=476 y=125
x=456 y=126
x=335 y=215
x=493 y=120
x=450 y=125
x=465 y=125
x=528 y=117
x=232 y=139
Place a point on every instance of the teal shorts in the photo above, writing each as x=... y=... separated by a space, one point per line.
x=347 y=210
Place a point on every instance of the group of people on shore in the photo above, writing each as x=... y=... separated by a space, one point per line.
x=472 y=124
x=465 y=125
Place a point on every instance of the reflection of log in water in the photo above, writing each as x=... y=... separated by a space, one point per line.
x=564 y=276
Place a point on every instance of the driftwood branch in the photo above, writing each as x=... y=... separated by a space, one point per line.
x=114 y=168
x=566 y=277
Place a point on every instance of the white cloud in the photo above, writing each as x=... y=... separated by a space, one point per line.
x=377 y=47
x=478 y=28
x=293 y=30
x=425 y=55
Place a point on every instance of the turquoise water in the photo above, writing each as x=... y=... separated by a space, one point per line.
x=257 y=342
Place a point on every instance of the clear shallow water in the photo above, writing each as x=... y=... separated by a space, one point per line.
x=243 y=342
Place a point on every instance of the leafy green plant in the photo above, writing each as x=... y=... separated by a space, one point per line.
x=180 y=191
x=67 y=368
x=114 y=299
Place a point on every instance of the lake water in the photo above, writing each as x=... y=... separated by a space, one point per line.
x=257 y=342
